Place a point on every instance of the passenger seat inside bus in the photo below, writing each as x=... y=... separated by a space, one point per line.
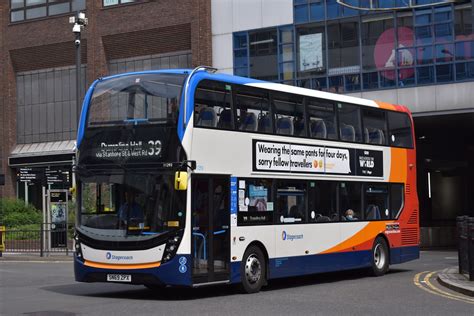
x=372 y=212
x=225 y=119
x=318 y=129
x=207 y=118
x=331 y=132
x=299 y=128
x=264 y=124
x=374 y=136
x=347 y=133
x=284 y=126
x=249 y=122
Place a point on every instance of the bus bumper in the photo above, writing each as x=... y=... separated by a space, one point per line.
x=175 y=272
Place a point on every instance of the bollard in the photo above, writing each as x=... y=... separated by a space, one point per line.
x=2 y=239
x=462 y=243
x=470 y=247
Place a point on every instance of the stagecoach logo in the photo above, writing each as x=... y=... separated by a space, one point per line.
x=111 y=256
x=285 y=236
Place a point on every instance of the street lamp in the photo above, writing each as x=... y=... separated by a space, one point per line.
x=79 y=21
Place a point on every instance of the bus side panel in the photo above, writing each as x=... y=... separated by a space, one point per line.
x=322 y=263
x=242 y=237
x=404 y=254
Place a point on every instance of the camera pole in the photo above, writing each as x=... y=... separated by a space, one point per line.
x=79 y=22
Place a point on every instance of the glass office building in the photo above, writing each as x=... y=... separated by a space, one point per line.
x=420 y=56
x=338 y=49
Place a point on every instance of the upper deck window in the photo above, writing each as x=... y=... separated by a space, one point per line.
x=400 y=130
x=138 y=98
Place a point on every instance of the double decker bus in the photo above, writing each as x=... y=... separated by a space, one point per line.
x=192 y=178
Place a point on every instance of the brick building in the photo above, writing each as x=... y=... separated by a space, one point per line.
x=38 y=120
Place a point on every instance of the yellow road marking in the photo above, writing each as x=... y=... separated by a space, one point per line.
x=436 y=291
x=434 y=288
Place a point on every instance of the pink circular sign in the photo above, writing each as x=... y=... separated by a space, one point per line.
x=385 y=53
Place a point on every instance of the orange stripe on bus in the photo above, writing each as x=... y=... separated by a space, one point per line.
x=121 y=266
x=398 y=167
x=386 y=106
x=365 y=234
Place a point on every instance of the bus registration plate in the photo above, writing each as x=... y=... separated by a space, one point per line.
x=119 y=278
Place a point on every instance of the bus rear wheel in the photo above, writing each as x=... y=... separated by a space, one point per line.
x=380 y=257
x=253 y=270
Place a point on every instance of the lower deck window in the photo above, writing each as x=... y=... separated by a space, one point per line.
x=268 y=201
x=291 y=202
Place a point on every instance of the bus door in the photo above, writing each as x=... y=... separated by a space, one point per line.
x=211 y=230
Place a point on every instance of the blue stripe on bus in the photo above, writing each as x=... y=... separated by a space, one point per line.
x=302 y=265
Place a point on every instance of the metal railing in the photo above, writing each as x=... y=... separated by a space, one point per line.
x=48 y=238
x=465 y=233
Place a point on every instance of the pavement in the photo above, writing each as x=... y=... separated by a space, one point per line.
x=452 y=279
x=31 y=257
x=448 y=277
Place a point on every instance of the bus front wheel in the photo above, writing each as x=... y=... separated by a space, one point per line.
x=380 y=257
x=253 y=270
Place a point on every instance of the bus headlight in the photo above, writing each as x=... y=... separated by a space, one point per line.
x=171 y=248
x=77 y=246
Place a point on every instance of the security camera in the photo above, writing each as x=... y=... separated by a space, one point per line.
x=77 y=42
x=76 y=28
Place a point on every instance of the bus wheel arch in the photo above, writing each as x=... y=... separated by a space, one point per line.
x=380 y=255
x=254 y=268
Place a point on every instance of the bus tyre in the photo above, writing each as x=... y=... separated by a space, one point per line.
x=380 y=257
x=253 y=270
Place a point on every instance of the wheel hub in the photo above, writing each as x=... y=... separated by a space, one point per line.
x=253 y=269
x=379 y=256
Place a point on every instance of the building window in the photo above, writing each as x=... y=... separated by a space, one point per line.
x=108 y=3
x=263 y=55
x=463 y=21
x=378 y=42
x=286 y=53
x=343 y=47
x=311 y=51
x=428 y=45
x=335 y=10
x=46 y=104
x=21 y=10
x=150 y=62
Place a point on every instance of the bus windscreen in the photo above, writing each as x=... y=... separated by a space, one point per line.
x=136 y=99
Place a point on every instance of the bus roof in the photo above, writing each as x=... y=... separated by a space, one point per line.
x=275 y=87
